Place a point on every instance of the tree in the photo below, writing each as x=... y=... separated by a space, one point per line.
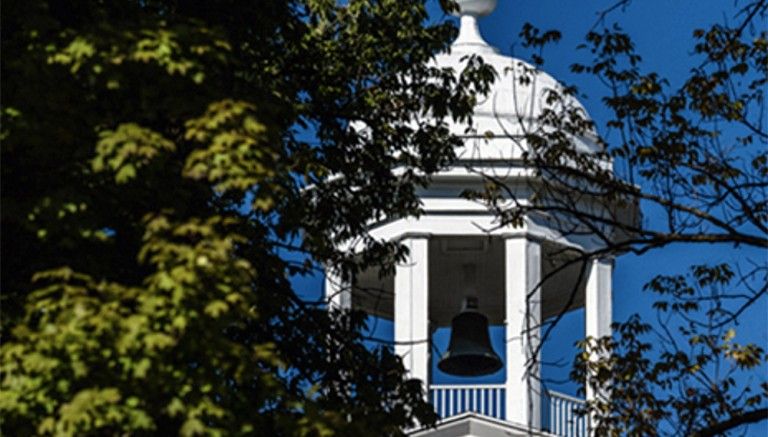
x=694 y=155
x=167 y=166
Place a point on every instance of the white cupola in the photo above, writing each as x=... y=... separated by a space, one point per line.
x=458 y=254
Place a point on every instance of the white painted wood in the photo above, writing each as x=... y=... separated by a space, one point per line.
x=444 y=398
x=337 y=294
x=411 y=308
x=471 y=223
x=564 y=417
x=554 y=411
x=598 y=307
x=450 y=400
x=522 y=276
x=598 y=298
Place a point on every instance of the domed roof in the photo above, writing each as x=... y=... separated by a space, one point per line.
x=517 y=99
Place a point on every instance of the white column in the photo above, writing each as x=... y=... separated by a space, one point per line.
x=598 y=298
x=411 y=303
x=337 y=293
x=598 y=306
x=523 y=312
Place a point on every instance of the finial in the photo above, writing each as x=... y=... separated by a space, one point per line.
x=469 y=39
x=476 y=8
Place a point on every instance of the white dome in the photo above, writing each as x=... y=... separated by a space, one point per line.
x=519 y=93
x=517 y=99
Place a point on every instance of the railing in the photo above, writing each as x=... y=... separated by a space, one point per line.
x=450 y=400
x=562 y=415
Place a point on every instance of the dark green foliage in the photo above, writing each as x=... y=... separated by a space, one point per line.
x=156 y=163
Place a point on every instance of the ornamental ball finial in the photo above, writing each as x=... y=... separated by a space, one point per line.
x=476 y=8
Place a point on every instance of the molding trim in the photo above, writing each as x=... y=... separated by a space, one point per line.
x=414 y=236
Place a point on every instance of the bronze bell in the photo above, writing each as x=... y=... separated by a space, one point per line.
x=470 y=352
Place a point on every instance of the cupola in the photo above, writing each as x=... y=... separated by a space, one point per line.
x=465 y=272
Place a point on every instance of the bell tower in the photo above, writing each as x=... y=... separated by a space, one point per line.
x=465 y=272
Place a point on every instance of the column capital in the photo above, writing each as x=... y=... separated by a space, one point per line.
x=524 y=235
x=605 y=259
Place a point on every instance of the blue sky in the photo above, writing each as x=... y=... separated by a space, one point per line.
x=662 y=32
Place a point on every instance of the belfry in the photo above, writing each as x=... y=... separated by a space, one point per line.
x=466 y=272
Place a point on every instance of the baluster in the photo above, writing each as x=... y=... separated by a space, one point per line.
x=578 y=425
x=467 y=393
x=487 y=402
x=451 y=404
x=439 y=403
x=492 y=402
x=483 y=408
x=572 y=412
x=555 y=411
x=445 y=402
x=564 y=417
x=468 y=400
x=576 y=417
x=552 y=414
x=435 y=400
x=455 y=403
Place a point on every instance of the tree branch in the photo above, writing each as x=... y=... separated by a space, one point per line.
x=735 y=421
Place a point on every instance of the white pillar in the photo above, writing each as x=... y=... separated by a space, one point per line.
x=523 y=319
x=337 y=293
x=411 y=303
x=598 y=306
